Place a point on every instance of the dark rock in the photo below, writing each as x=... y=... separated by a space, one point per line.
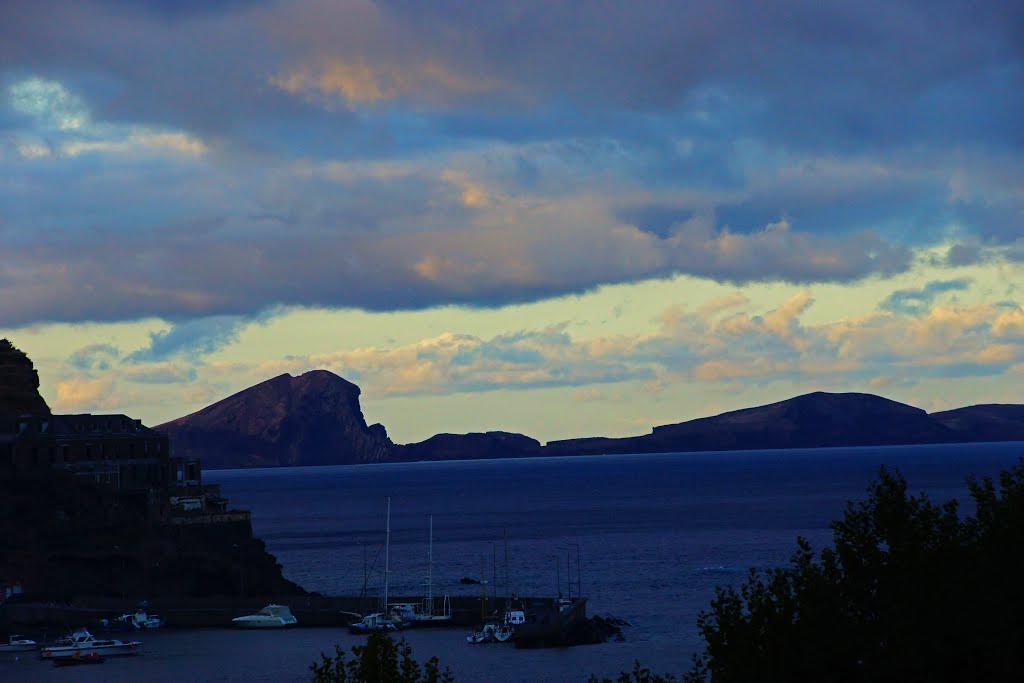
x=467 y=446
x=813 y=420
x=66 y=536
x=313 y=419
x=19 y=383
x=991 y=422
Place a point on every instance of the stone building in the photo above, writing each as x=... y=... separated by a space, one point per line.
x=117 y=452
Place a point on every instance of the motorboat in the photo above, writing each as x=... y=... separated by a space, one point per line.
x=81 y=643
x=378 y=622
x=140 y=620
x=19 y=644
x=271 y=616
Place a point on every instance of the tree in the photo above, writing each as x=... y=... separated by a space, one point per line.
x=908 y=592
x=380 y=660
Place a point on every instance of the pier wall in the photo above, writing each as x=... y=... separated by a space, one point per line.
x=311 y=611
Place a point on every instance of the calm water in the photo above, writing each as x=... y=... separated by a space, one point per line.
x=654 y=535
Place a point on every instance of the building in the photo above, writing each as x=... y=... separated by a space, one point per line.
x=115 y=451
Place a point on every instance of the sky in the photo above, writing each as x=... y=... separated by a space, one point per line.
x=553 y=217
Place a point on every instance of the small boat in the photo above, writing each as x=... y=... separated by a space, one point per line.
x=81 y=642
x=271 y=616
x=377 y=622
x=138 y=621
x=18 y=644
x=387 y=620
x=490 y=629
x=427 y=612
x=490 y=632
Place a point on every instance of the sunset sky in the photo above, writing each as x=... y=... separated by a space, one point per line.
x=549 y=217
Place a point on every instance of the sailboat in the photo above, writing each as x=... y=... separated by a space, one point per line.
x=490 y=630
x=423 y=614
x=386 y=620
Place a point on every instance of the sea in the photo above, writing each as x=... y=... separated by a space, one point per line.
x=645 y=538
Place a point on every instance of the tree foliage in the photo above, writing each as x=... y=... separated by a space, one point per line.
x=380 y=660
x=910 y=591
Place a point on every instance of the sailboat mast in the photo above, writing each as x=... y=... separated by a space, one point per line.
x=430 y=568
x=506 y=570
x=387 y=553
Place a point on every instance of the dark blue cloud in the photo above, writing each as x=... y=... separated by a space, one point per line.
x=916 y=301
x=191 y=338
x=94 y=357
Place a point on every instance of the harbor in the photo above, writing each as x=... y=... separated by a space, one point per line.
x=184 y=612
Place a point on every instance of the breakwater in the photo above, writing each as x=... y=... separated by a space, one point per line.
x=310 y=610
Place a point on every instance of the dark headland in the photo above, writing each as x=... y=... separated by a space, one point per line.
x=316 y=419
x=98 y=506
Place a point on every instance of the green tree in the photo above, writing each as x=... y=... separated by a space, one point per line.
x=908 y=592
x=380 y=660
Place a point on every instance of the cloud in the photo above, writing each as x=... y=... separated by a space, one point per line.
x=191 y=338
x=76 y=395
x=395 y=155
x=919 y=300
x=159 y=373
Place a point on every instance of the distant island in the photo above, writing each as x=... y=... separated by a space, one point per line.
x=316 y=419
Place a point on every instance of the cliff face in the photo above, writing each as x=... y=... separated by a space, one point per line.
x=63 y=536
x=19 y=383
x=313 y=419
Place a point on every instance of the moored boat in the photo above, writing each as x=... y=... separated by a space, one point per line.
x=19 y=644
x=386 y=620
x=81 y=642
x=139 y=621
x=377 y=622
x=427 y=612
x=271 y=616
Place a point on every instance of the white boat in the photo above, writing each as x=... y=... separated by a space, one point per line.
x=140 y=620
x=426 y=613
x=491 y=632
x=271 y=616
x=81 y=643
x=377 y=622
x=18 y=644
x=143 y=620
x=387 y=620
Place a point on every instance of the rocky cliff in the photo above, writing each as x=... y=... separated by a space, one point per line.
x=315 y=419
x=19 y=383
x=63 y=536
x=312 y=419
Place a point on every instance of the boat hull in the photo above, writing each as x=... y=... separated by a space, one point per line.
x=261 y=623
x=18 y=648
x=71 y=652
